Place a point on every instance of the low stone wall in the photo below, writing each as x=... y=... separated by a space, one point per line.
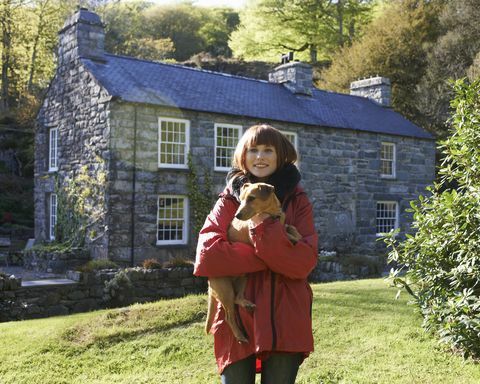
x=334 y=270
x=9 y=283
x=87 y=292
x=331 y=267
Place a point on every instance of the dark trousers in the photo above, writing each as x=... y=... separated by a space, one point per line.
x=279 y=368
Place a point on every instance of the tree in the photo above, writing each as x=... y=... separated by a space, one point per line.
x=312 y=28
x=441 y=262
x=216 y=30
x=45 y=18
x=178 y=31
x=126 y=33
x=180 y=23
x=28 y=44
x=394 y=45
x=452 y=56
x=6 y=21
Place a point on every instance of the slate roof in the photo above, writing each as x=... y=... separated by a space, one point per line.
x=141 y=81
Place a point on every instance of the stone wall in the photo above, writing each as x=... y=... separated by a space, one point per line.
x=340 y=171
x=87 y=294
x=78 y=106
x=331 y=267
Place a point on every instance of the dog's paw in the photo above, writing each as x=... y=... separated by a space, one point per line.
x=242 y=340
x=244 y=303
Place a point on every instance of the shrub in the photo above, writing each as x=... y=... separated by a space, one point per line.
x=152 y=264
x=96 y=265
x=178 y=262
x=441 y=261
x=118 y=290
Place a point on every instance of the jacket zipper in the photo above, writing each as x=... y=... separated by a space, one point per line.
x=272 y=311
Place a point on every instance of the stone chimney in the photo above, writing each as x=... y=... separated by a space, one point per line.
x=377 y=89
x=295 y=76
x=82 y=35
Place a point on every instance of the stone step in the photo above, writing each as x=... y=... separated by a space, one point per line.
x=47 y=282
x=5 y=242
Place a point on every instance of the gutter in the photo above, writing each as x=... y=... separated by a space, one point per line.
x=134 y=182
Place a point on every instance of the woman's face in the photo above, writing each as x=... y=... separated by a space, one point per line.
x=261 y=161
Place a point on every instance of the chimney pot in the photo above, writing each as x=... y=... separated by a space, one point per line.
x=295 y=76
x=377 y=89
x=83 y=35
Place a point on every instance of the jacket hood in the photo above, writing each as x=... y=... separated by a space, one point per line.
x=284 y=180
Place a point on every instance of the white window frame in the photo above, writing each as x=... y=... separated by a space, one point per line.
x=185 y=218
x=53 y=208
x=393 y=160
x=53 y=150
x=295 y=144
x=183 y=165
x=295 y=138
x=239 y=134
x=397 y=216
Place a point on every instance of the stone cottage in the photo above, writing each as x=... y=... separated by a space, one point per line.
x=137 y=120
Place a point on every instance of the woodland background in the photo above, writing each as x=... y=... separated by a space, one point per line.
x=421 y=45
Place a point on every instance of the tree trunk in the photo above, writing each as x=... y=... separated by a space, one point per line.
x=6 y=50
x=41 y=26
x=340 y=22
x=313 y=54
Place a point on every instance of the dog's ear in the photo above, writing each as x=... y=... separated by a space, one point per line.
x=266 y=190
x=243 y=188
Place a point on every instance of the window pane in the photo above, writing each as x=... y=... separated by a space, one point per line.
x=171 y=219
x=386 y=216
x=172 y=142
x=227 y=139
x=387 y=158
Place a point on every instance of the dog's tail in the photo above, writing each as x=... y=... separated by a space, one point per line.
x=212 y=305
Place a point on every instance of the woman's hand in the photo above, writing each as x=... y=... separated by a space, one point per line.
x=293 y=235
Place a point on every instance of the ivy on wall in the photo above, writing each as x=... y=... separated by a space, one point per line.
x=200 y=196
x=81 y=206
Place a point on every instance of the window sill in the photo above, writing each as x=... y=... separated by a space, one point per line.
x=388 y=177
x=172 y=166
x=378 y=235
x=171 y=245
x=224 y=170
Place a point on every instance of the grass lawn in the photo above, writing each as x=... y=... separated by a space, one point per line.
x=362 y=334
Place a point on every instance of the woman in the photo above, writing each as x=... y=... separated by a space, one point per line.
x=279 y=329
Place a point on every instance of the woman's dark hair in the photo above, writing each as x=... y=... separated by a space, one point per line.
x=264 y=134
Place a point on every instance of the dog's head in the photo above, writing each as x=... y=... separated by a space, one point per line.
x=257 y=198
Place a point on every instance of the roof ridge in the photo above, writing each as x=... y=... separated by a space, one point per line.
x=188 y=68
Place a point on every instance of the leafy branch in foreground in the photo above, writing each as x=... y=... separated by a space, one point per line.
x=440 y=264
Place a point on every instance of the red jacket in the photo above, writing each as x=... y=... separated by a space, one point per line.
x=277 y=279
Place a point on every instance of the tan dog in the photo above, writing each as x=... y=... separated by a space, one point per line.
x=254 y=199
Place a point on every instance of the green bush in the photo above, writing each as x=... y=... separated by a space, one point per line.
x=152 y=264
x=118 y=290
x=178 y=262
x=96 y=265
x=439 y=265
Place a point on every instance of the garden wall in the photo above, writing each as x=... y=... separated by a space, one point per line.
x=87 y=292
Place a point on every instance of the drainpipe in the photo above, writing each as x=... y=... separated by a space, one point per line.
x=134 y=179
